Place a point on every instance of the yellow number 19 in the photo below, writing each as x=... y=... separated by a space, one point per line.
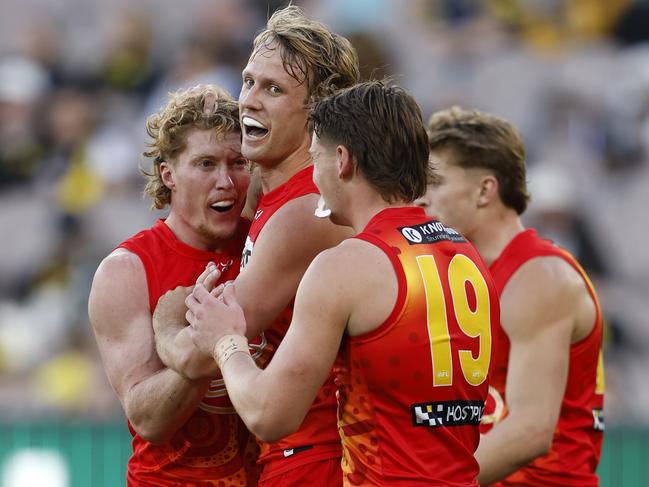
x=475 y=324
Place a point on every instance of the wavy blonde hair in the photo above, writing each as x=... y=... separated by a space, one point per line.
x=202 y=107
x=310 y=52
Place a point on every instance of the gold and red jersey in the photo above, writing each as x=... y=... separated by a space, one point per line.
x=317 y=439
x=214 y=446
x=412 y=392
x=576 y=445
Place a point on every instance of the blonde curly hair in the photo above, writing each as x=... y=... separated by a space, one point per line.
x=202 y=107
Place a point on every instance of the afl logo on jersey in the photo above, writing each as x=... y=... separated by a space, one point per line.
x=411 y=234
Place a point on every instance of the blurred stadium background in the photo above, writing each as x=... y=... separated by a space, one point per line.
x=78 y=77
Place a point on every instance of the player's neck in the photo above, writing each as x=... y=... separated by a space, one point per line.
x=187 y=235
x=365 y=206
x=274 y=176
x=491 y=238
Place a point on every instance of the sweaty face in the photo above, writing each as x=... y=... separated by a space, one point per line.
x=454 y=198
x=208 y=182
x=273 y=112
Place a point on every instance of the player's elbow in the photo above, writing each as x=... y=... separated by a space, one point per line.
x=540 y=435
x=189 y=367
x=271 y=427
x=152 y=433
x=147 y=427
x=270 y=433
x=156 y=438
x=543 y=441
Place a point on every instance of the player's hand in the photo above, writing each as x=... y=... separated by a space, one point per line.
x=209 y=277
x=217 y=292
x=168 y=322
x=170 y=311
x=174 y=345
x=190 y=361
x=211 y=318
x=211 y=94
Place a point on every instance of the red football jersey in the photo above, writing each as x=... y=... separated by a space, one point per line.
x=412 y=392
x=214 y=445
x=574 y=455
x=317 y=439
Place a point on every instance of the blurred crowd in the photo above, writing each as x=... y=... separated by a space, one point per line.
x=79 y=77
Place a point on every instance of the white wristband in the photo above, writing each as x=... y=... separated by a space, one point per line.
x=227 y=346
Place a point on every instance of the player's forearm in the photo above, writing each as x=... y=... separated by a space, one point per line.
x=510 y=445
x=165 y=338
x=260 y=315
x=179 y=353
x=256 y=396
x=158 y=406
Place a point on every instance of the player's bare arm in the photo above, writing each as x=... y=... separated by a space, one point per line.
x=157 y=400
x=173 y=342
x=540 y=306
x=253 y=195
x=284 y=249
x=286 y=246
x=336 y=294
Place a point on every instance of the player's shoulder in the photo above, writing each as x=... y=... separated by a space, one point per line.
x=120 y=262
x=350 y=258
x=349 y=248
x=296 y=224
x=354 y=276
x=337 y=271
x=548 y=270
x=543 y=288
x=119 y=289
x=299 y=210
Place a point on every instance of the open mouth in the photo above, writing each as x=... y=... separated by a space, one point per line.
x=253 y=128
x=223 y=206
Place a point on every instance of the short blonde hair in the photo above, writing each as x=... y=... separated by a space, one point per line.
x=203 y=107
x=310 y=52
x=482 y=140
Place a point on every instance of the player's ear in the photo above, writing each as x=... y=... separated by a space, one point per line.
x=488 y=190
x=167 y=175
x=345 y=162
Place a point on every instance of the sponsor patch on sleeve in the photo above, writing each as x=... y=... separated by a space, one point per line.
x=430 y=232
x=447 y=413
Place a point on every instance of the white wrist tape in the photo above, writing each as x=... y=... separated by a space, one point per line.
x=227 y=346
